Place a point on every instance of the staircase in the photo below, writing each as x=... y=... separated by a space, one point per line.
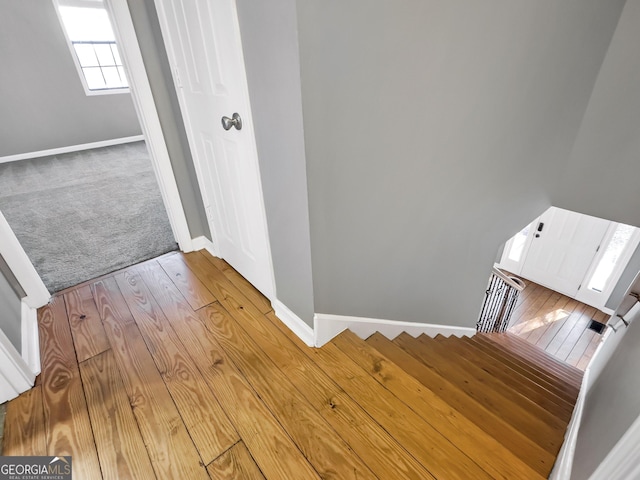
x=499 y=400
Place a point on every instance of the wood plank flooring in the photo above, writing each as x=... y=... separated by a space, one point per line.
x=178 y=368
x=556 y=324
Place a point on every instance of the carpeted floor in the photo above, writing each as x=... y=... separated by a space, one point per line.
x=84 y=214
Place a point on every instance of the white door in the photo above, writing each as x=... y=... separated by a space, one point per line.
x=203 y=43
x=563 y=247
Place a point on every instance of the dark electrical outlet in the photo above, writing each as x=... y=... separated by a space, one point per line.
x=596 y=327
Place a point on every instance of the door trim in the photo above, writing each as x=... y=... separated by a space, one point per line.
x=149 y=121
x=247 y=122
x=37 y=294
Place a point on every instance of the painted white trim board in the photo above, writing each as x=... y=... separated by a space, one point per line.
x=327 y=326
x=293 y=322
x=70 y=148
x=21 y=266
x=203 y=243
x=149 y=121
x=30 y=338
x=564 y=461
x=15 y=375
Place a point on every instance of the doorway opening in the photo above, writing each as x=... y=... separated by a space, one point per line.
x=84 y=200
x=573 y=266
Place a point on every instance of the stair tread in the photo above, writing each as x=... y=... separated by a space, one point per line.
x=536 y=429
x=538 y=353
x=536 y=357
x=520 y=445
x=475 y=373
x=566 y=385
x=558 y=386
x=487 y=452
x=530 y=388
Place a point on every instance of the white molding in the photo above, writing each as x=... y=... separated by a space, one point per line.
x=21 y=266
x=564 y=461
x=327 y=326
x=623 y=461
x=202 y=242
x=70 y=148
x=15 y=375
x=30 y=338
x=295 y=323
x=149 y=121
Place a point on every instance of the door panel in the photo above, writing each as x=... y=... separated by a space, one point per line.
x=562 y=252
x=204 y=45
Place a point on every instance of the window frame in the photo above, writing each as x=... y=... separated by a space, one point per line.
x=74 y=56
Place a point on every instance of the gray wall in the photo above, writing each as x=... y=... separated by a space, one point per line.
x=270 y=45
x=43 y=104
x=434 y=131
x=611 y=407
x=604 y=167
x=605 y=160
x=10 y=308
x=145 y=20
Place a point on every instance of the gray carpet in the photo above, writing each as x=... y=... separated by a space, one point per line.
x=84 y=214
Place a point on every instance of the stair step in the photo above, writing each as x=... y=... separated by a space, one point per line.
x=527 y=387
x=438 y=455
x=536 y=358
x=491 y=455
x=570 y=392
x=557 y=386
x=519 y=414
x=489 y=381
x=488 y=420
x=539 y=356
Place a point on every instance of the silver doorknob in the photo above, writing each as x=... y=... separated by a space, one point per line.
x=234 y=121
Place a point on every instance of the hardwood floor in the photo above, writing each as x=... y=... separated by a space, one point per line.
x=556 y=324
x=178 y=368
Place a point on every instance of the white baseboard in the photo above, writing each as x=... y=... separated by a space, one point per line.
x=564 y=462
x=30 y=339
x=71 y=148
x=15 y=375
x=295 y=323
x=202 y=242
x=328 y=326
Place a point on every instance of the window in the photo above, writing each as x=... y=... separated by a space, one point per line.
x=611 y=257
x=93 y=45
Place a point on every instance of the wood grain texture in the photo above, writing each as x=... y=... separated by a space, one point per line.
x=120 y=447
x=488 y=420
x=24 y=432
x=88 y=333
x=487 y=452
x=273 y=450
x=544 y=397
x=345 y=416
x=235 y=463
x=526 y=423
x=170 y=448
x=436 y=453
x=66 y=418
x=192 y=289
x=326 y=451
x=206 y=421
x=553 y=322
x=254 y=296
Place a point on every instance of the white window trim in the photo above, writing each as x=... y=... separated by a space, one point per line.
x=599 y=299
x=76 y=62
